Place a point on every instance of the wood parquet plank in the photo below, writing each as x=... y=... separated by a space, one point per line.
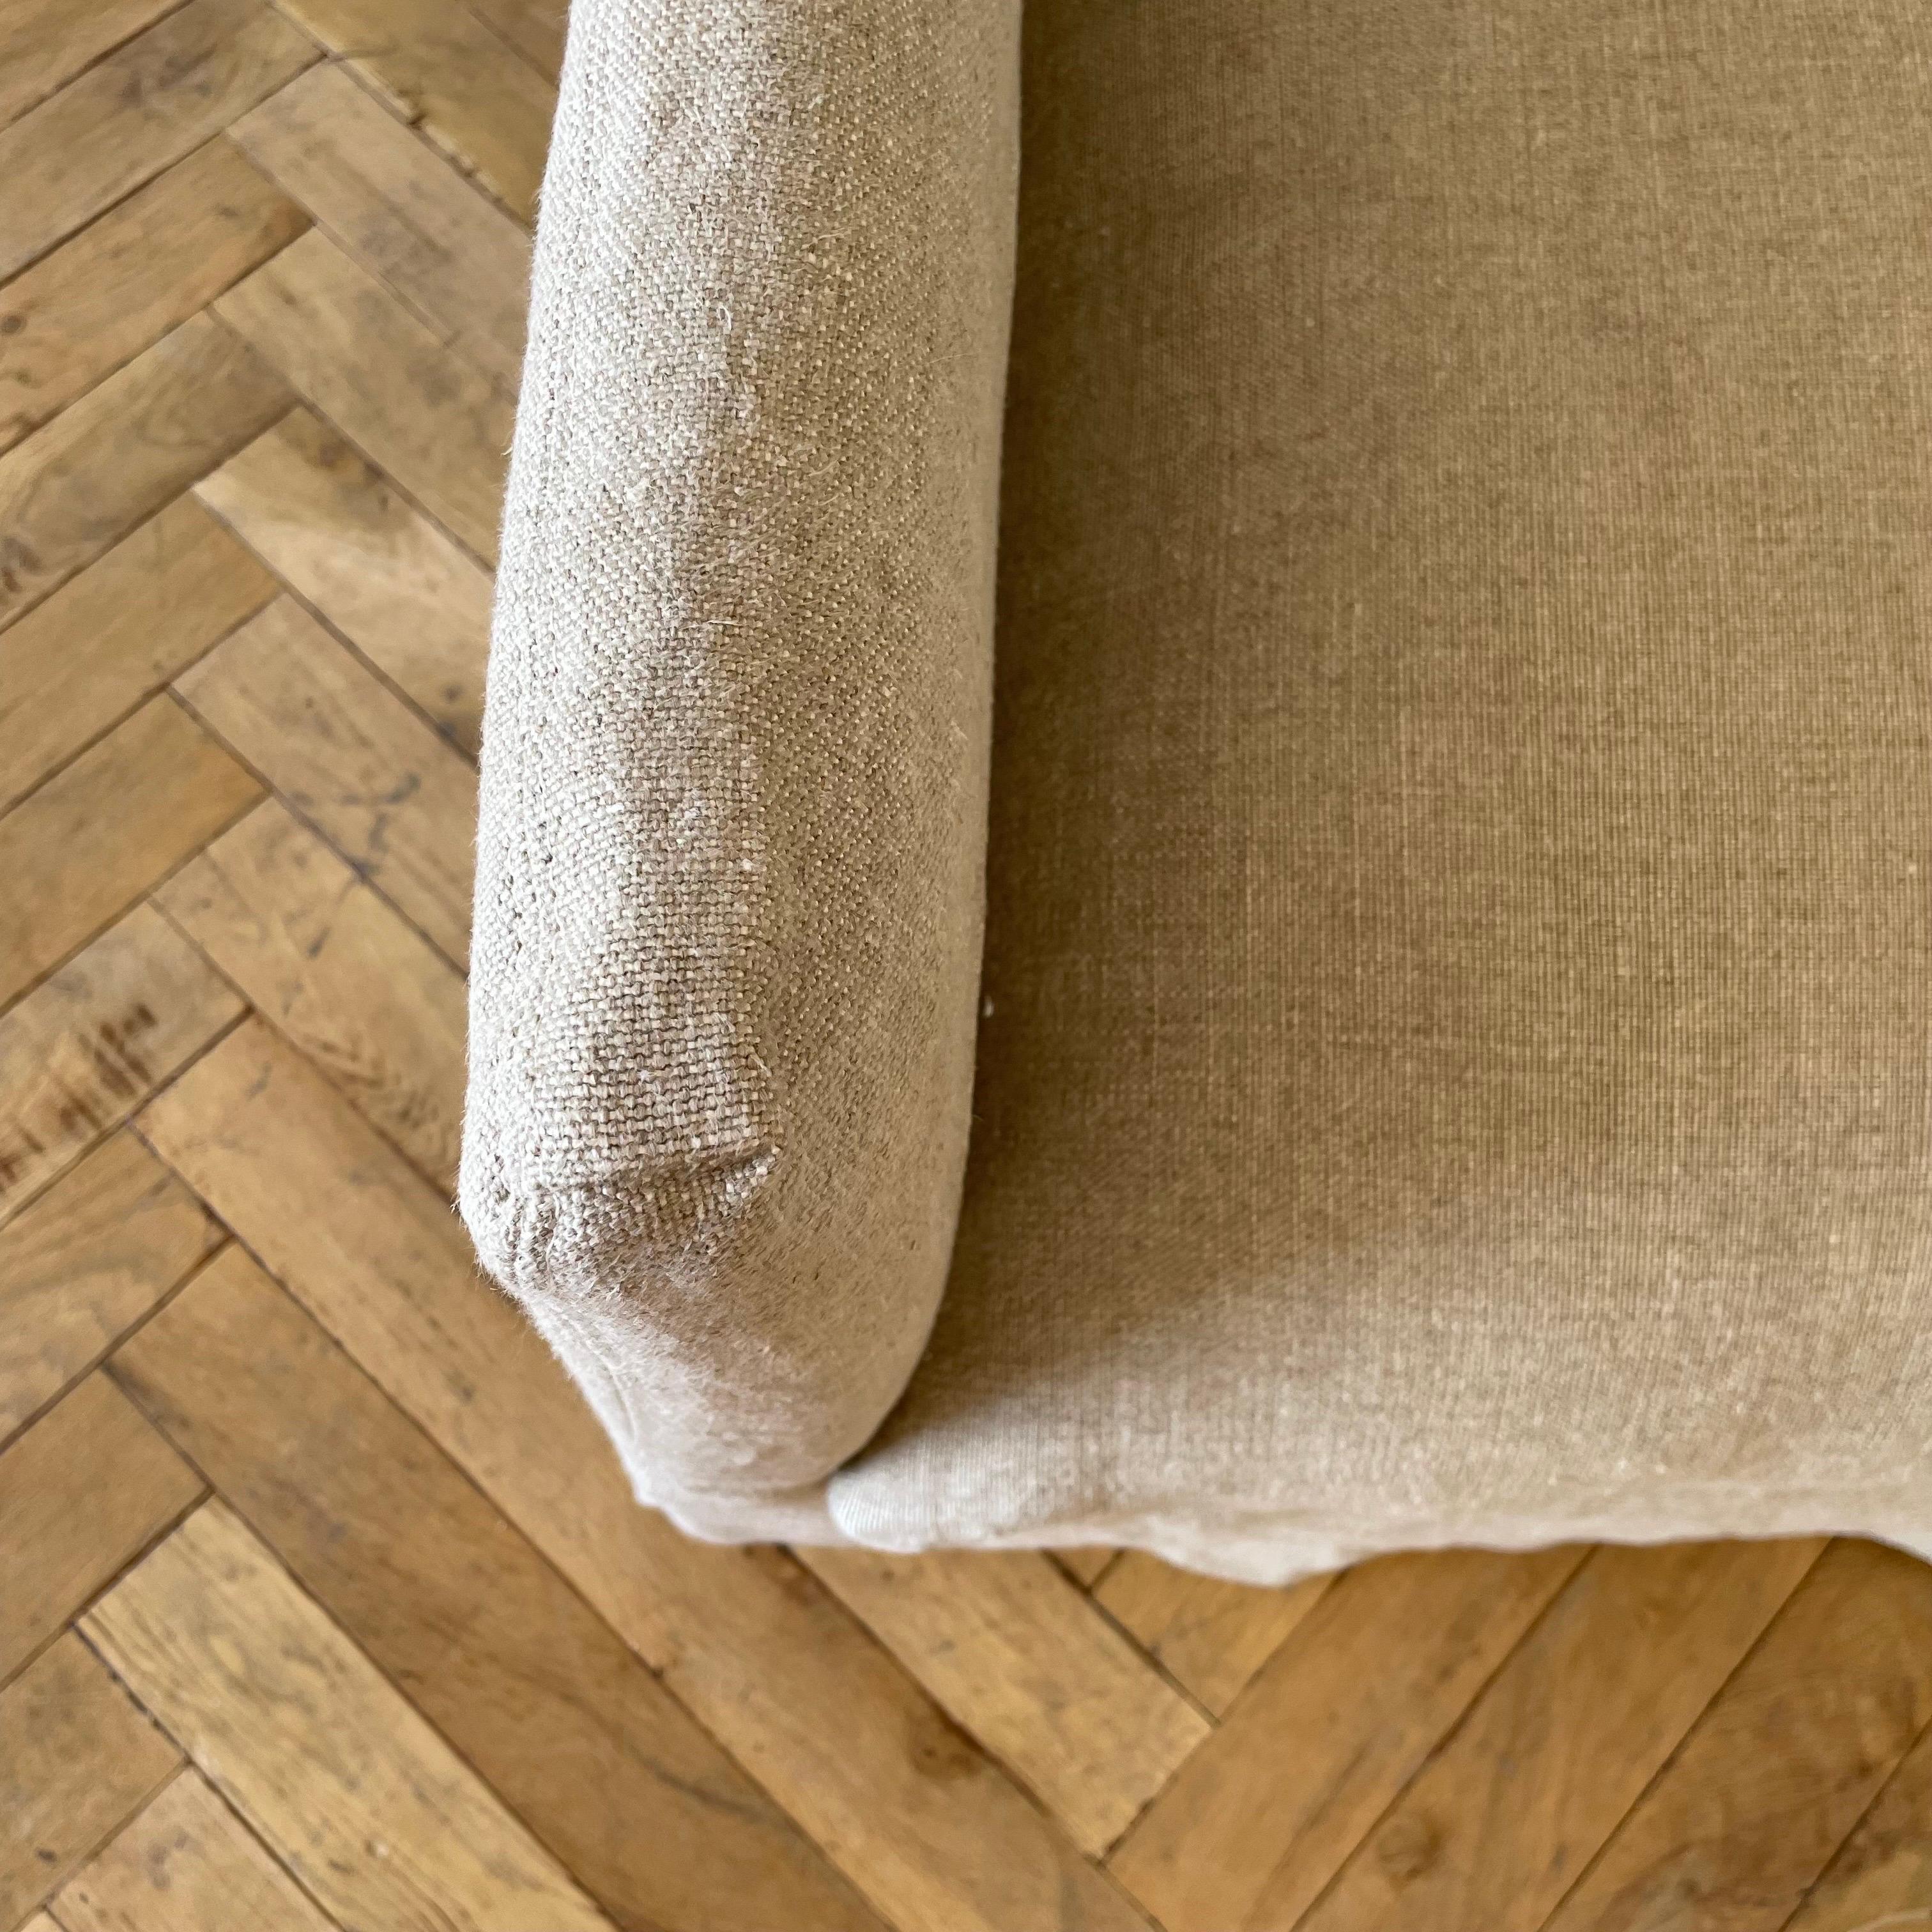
x=534 y=27
x=338 y=970
x=79 y=1761
x=351 y=758
x=398 y=208
x=122 y=283
x=82 y=1265
x=1210 y=1635
x=906 y=1805
x=187 y=1863
x=81 y=849
x=444 y=70
x=324 y=1758
x=125 y=450
x=1383 y=1666
x=1024 y=1662
x=413 y=602
x=145 y=105
x=115 y=634
x=88 y=1045
x=83 y=1491
x=1564 y=1740
x=44 y=44
x=492 y=1646
x=434 y=424
x=1882 y=1876
x=1779 y=1770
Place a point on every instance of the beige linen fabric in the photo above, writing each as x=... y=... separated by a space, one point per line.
x=1457 y=1055
x=728 y=890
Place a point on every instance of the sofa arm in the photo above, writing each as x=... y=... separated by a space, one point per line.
x=729 y=881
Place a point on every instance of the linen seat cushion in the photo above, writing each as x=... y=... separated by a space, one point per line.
x=1456 y=1058
x=728 y=897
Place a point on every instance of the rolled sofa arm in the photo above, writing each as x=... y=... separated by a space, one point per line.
x=729 y=862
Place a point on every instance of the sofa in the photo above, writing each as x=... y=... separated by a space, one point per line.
x=1207 y=793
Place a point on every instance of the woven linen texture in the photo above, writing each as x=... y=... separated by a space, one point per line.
x=729 y=891
x=1456 y=1062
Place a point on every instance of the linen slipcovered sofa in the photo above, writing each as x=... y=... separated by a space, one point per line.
x=1295 y=919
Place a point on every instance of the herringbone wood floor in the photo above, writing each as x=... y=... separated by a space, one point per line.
x=323 y=1603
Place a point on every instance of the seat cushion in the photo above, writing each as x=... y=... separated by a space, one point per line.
x=1455 y=1056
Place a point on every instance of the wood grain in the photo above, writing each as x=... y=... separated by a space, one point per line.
x=902 y=1801
x=351 y=759
x=401 y=210
x=83 y=1492
x=78 y=1268
x=1024 y=1662
x=442 y=70
x=1781 y=1766
x=146 y=105
x=434 y=424
x=1378 y=1673
x=322 y=1757
x=83 y=1050
x=121 y=284
x=492 y=1646
x=414 y=603
x=124 y=450
x=103 y=829
x=187 y=1863
x=364 y=995
x=1564 y=1740
x=44 y=44
x=534 y=27
x=1211 y=1636
x=1883 y=1876
x=77 y=666
x=80 y=1760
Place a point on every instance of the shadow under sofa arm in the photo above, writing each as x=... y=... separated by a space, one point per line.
x=730 y=887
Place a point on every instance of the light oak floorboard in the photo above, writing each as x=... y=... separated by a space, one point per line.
x=1024 y=1662
x=187 y=1863
x=1087 y=1566
x=435 y=424
x=122 y=283
x=103 y=829
x=44 y=44
x=85 y=1262
x=126 y=449
x=146 y=105
x=367 y=998
x=83 y=1491
x=351 y=758
x=494 y=1648
x=411 y=600
x=1564 y=1740
x=1210 y=1635
x=320 y=1754
x=1745 y=1819
x=920 y=1820
x=115 y=634
x=1882 y=1878
x=398 y=207
x=442 y=69
x=79 y=1761
x=1248 y=1834
x=88 y=1045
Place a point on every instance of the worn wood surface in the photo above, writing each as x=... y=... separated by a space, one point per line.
x=322 y=1602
